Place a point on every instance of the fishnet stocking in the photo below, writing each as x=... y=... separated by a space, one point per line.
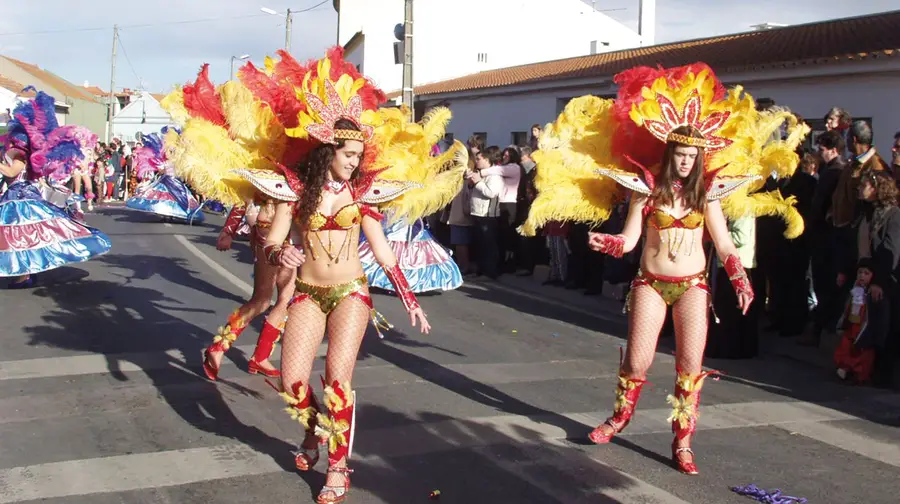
x=645 y=320
x=346 y=328
x=303 y=334
x=691 y=317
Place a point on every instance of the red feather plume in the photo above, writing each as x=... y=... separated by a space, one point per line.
x=278 y=95
x=202 y=100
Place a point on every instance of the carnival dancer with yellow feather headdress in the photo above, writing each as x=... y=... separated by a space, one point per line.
x=690 y=153
x=224 y=129
x=320 y=154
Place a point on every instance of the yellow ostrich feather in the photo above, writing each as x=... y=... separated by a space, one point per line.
x=766 y=204
x=253 y=125
x=406 y=156
x=570 y=151
x=173 y=103
x=205 y=154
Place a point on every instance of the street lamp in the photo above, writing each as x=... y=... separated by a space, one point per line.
x=237 y=58
x=287 y=25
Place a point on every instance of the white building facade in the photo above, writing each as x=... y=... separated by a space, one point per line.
x=794 y=66
x=142 y=116
x=867 y=89
x=462 y=37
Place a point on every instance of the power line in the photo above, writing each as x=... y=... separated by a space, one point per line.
x=125 y=52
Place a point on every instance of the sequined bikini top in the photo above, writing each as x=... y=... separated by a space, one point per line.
x=660 y=219
x=348 y=217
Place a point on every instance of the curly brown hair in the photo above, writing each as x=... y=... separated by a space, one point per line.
x=694 y=189
x=313 y=172
x=885 y=187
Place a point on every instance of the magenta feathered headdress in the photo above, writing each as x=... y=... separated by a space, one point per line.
x=52 y=150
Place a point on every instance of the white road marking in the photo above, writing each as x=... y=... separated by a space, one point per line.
x=97 y=363
x=179 y=467
x=218 y=268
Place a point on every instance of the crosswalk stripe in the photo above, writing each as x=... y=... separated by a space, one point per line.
x=97 y=363
x=178 y=467
x=132 y=472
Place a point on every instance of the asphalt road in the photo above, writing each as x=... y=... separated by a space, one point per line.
x=102 y=400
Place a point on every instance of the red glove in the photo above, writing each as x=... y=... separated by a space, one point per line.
x=233 y=221
x=739 y=279
x=398 y=280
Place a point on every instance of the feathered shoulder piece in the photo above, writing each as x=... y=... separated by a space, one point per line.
x=741 y=145
x=411 y=182
x=52 y=151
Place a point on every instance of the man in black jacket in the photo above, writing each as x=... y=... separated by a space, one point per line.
x=822 y=235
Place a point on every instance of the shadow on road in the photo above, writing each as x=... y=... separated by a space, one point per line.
x=770 y=373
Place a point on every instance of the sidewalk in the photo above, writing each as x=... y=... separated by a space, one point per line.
x=607 y=307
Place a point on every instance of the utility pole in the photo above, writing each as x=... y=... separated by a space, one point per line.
x=408 y=94
x=112 y=84
x=287 y=31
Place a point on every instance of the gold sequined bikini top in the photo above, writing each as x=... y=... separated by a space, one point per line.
x=660 y=219
x=348 y=217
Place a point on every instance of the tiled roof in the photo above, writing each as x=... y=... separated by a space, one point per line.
x=15 y=87
x=58 y=83
x=95 y=90
x=158 y=96
x=862 y=37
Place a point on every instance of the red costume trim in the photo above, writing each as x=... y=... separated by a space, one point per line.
x=233 y=221
x=739 y=279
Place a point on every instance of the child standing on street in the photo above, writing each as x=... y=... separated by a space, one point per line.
x=853 y=357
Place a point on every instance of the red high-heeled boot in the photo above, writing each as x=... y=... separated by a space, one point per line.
x=336 y=429
x=685 y=404
x=222 y=342
x=628 y=392
x=265 y=345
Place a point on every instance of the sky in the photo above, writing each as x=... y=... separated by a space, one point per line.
x=164 y=42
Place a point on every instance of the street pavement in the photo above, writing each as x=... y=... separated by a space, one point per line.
x=102 y=399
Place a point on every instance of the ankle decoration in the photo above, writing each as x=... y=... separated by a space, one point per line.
x=685 y=403
x=228 y=334
x=628 y=391
x=303 y=410
x=336 y=428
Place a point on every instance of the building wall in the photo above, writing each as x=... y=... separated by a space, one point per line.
x=86 y=113
x=863 y=95
x=470 y=36
x=7 y=103
x=143 y=115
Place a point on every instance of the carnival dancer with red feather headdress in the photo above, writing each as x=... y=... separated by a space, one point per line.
x=36 y=235
x=691 y=153
x=309 y=140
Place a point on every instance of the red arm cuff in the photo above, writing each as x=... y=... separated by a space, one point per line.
x=398 y=280
x=612 y=245
x=233 y=221
x=739 y=279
